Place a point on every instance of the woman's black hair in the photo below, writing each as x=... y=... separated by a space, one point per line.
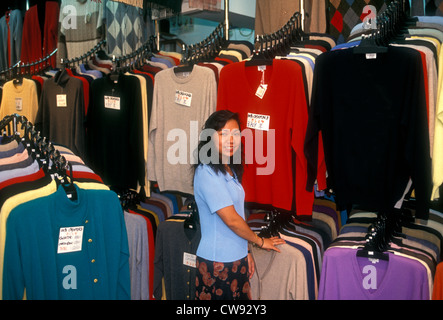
x=217 y=121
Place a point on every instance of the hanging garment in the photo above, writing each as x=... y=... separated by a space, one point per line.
x=11 y=28
x=348 y=277
x=374 y=122
x=115 y=131
x=425 y=35
x=174 y=277
x=62 y=112
x=271 y=15
x=151 y=229
x=82 y=27
x=127 y=29
x=101 y=265
x=38 y=43
x=178 y=118
x=138 y=256
x=283 y=106
x=289 y=264
x=343 y=15
x=20 y=98
x=21 y=187
x=307 y=238
x=146 y=88
x=416 y=243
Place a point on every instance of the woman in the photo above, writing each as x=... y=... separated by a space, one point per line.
x=223 y=261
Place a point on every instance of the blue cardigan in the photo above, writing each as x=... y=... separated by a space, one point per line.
x=32 y=266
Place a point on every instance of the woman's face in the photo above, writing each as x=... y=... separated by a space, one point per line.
x=228 y=139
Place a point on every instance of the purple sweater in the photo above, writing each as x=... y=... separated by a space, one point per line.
x=345 y=276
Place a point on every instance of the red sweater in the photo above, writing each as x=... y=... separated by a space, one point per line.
x=285 y=103
x=35 y=43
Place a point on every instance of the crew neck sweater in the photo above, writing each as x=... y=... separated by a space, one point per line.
x=115 y=131
x=20 y=99
x=174 y=128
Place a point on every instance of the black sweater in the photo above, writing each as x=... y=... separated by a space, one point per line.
x=372 y=116
x=115 y=135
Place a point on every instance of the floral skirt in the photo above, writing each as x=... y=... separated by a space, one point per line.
x=222 y=280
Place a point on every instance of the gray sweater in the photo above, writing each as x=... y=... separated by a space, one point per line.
x=279 y=275
x=169 y=158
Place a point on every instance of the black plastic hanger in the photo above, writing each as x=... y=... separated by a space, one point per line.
x=68 y=183
x=368 y=44
x=184 y=68
x=259 y=57
x=372 y=254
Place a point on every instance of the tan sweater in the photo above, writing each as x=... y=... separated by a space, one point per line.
x=279 y=275
x=21 y=99
x=271 y=15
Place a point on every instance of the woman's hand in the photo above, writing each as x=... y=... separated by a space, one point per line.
x=271 y=243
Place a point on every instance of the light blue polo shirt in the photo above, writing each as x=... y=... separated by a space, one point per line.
x=214 y=191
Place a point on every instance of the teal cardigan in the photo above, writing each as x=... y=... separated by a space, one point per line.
x=100 y=270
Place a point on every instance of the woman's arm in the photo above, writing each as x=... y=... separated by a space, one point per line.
x=239 y=226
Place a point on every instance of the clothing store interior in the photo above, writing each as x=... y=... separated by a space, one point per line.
x=102 y=106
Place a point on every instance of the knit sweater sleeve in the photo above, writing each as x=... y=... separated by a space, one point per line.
x=299 y=120
x=313 y=133
x=417 y=149
x=153 y=118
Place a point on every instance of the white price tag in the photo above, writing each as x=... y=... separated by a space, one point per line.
x=112 y=102
x=258 y=121
x=261 y=68
x=261 y=90
x=18 y=104
x=61 y=100
x=70 y=239
x=183 y=98
x=189 y=259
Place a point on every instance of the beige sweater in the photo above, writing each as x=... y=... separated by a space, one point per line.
x=271 y=15
x=21 y=99
x=279 y=275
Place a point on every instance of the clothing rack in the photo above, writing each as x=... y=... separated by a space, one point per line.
x=35 y=66
x=268 y=45
x=272 y=220
x=71 y=62
x=381 y=233
x=275 y=221
x=43 y=150
x=389 y=25
x=206 y=48
x=136 y=56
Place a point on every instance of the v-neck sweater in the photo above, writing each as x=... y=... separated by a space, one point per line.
x=345 y=278
x=281 y=181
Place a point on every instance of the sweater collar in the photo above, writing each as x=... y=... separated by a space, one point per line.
x=61 y=78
